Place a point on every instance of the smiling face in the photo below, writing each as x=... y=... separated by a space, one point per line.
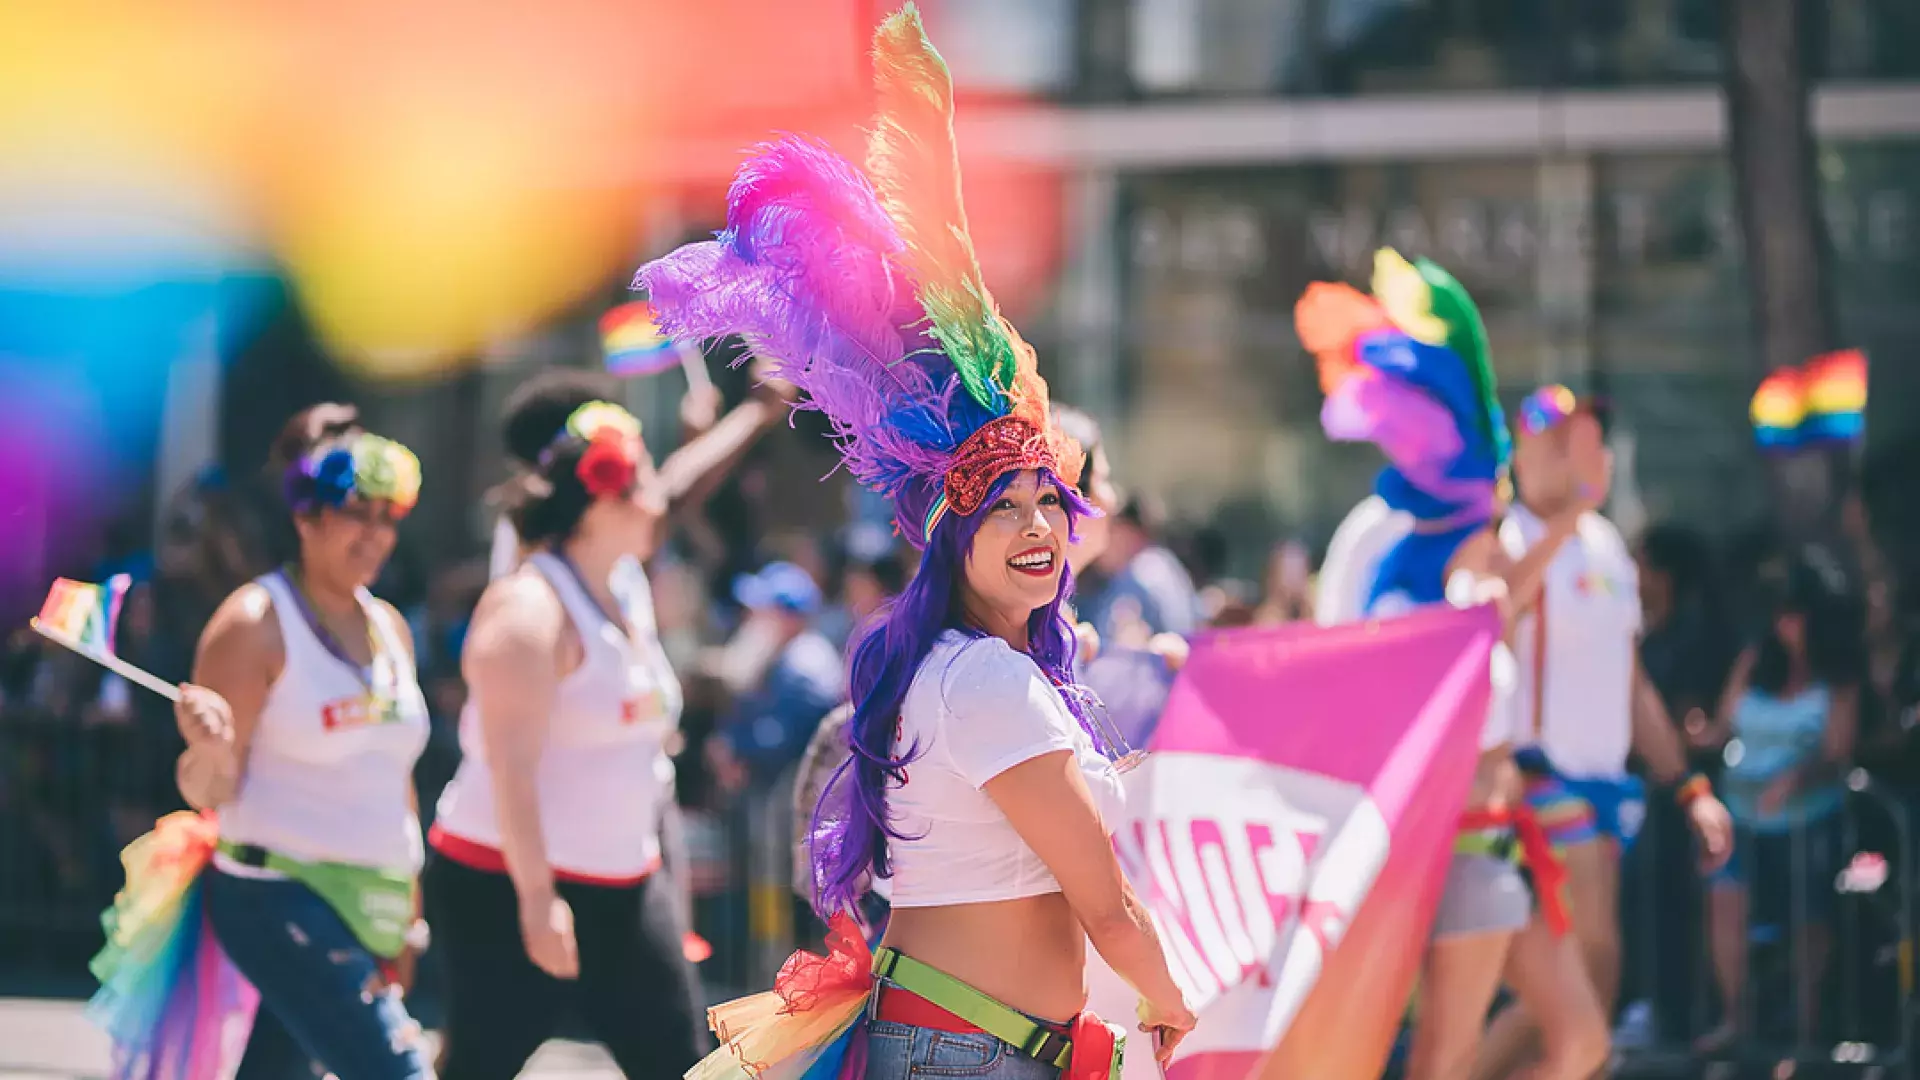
x=1020 y=549
x=347 y=546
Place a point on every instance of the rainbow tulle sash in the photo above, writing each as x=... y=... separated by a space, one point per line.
x=810 y=1026
x=174 y=1005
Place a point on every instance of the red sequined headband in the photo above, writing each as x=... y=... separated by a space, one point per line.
x=1001 y=446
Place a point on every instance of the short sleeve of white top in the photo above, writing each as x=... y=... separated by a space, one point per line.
x=1503 y=721
x=975 y=709
x=1591 y=597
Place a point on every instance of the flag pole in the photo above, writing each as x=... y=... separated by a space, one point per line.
x=694 y=364
x=110 y=662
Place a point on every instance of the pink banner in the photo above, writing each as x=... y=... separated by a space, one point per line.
x=1291 y=831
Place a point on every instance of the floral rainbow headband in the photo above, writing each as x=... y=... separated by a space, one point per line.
x=364 y=466
x=608 y=438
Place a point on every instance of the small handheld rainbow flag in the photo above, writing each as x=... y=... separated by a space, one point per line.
x=81 y=617
x=1823 y=401
x=633 y=343
x=84 y=612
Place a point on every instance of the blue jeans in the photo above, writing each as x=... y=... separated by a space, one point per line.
x=899 y=1052
x=315 y=978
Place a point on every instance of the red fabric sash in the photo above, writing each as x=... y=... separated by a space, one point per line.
x=1093 y=1041
x=1549 y=873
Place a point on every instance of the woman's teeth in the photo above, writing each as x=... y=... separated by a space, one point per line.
x=1036 y=561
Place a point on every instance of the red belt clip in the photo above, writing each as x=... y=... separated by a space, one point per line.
x=1549 y=873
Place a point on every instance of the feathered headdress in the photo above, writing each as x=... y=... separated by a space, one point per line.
x=864 y=291
x=1408 y=370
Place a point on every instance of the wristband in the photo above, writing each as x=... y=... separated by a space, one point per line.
x=1696 y=787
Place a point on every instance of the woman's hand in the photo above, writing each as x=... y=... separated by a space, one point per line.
x=546 y=928
x=1168 y=1024
x=1171 y=649
x=203 y=716
x=1714 y=826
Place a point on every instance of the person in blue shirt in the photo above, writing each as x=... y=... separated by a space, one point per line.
x=1789 y=717
x=776 y=708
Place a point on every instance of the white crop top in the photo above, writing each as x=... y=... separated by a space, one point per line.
x=604 y=773
x=330 y=768
x=977 y=708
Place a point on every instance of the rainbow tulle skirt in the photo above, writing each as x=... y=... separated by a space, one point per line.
x=810 y=1026
x=174 y=1005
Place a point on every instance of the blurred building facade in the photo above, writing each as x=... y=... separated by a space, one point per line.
x=1209 y=158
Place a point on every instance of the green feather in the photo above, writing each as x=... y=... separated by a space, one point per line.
x=1467 y=337
x=915 y=166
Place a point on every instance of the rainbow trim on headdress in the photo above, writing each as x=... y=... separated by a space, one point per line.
x=633 y=343
x=364 y=466
x=863 y=289
x=1823 y=401
x=174 y=1005
x=84 y=612
x=1408 y=370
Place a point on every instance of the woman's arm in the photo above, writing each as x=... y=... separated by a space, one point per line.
x=689 y=474
x=239 y=657
x=1047 y=801
x=512 y=670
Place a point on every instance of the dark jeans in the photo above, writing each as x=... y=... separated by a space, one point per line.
x=636 y=991
x=314 y=979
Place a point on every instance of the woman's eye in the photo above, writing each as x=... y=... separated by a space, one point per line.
x=1051 y=498
x=1003 y=505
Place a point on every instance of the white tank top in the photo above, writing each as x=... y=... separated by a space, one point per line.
x=330 y=770
x=1583 y=716
x=604 y=774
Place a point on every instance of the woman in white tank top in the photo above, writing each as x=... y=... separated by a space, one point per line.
x=312 y=892
x=543 y=888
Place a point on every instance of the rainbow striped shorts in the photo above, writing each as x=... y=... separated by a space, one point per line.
x=1575 y=810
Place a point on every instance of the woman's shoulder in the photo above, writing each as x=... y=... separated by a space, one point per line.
x=964 y=659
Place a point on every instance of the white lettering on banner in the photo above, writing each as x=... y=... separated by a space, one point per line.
x=1221 y=850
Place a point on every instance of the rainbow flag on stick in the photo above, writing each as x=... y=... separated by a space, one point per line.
x=81 y=617
x=1821 y=402
x=633 y=342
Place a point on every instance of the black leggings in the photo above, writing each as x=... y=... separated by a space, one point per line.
x=637 y=992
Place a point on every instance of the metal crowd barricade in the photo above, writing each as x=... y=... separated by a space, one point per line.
x=1830 y=981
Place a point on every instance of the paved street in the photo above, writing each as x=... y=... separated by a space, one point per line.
x=51 y=1040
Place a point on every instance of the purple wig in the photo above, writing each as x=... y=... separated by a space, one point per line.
x=851 y=824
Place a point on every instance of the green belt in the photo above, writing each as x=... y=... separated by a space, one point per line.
x=1003 y=1022
x=377 y=905
x=1493 y=843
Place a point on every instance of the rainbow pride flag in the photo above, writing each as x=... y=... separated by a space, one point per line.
x=633 y=343
x=84 y=612
x=1823 y=401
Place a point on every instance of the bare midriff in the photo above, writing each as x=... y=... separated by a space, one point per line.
x=1028 y=953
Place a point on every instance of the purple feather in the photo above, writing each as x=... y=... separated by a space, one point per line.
x=808 y=273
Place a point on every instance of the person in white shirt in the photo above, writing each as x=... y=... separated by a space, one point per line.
x=977 y=784
x=543 y=889
x=1585 y=704
x=312 y=891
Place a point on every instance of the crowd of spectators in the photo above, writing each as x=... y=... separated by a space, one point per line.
x=1773 y=662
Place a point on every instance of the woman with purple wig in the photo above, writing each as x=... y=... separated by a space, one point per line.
x=978 y=783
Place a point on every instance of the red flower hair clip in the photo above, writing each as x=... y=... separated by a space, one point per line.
x=610 y=460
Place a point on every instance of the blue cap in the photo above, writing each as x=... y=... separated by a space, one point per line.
x=778 y=585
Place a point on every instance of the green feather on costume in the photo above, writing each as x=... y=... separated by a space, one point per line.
x=915 y=166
